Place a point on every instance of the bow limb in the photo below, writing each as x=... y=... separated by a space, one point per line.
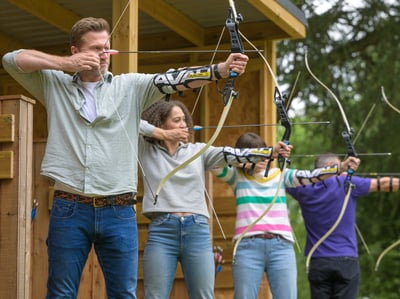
x=385 y=99
x=265 y=62
x=330 y=92
x=385 y=252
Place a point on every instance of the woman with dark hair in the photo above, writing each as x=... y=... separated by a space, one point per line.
x=266 y=246
x=179 y=230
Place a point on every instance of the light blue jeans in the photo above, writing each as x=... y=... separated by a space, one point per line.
x=275 y=257
x=173 y=239
x=72 y=231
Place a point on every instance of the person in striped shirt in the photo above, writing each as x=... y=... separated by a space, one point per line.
x=268 y=245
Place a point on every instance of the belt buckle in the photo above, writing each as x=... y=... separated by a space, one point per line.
x=94 y=203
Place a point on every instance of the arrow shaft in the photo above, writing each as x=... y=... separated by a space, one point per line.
x=114 y=52
x=340 y=155
x=378 y=173
x=198 y=128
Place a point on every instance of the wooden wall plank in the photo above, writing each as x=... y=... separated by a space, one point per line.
x=6 y=164
x=8 y=240
x=40 y=224
x=7 y=128
x=125 y=36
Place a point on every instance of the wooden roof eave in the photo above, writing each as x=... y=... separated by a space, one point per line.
x=281 y=17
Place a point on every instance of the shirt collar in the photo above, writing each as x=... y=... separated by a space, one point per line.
x=107 y=77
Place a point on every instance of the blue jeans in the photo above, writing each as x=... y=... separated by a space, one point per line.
x=174 y=239
x=334 y=277
x=275 y=257
x=73 y=229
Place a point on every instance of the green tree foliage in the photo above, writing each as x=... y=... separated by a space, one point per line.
x=354 y=50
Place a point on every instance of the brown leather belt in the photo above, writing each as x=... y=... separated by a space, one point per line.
x=266 y=236
x=126 y=199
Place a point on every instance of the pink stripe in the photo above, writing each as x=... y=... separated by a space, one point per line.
x=265 y=227
x=256 y=214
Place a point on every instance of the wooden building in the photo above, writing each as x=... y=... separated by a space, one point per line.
x=150 y=27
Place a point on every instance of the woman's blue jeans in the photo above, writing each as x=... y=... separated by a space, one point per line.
x=275 y=257
x=173 y=239
x=72 y=231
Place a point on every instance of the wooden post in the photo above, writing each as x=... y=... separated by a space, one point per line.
x=16 y=199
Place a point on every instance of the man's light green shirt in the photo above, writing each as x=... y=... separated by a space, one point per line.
x=98 y=157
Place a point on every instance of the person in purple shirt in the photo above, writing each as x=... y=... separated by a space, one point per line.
x=334 y=270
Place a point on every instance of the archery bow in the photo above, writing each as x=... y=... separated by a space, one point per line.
x=385 y=252
x=285 y=121
x=346 y=135
x=228 y=94
x=393 y=245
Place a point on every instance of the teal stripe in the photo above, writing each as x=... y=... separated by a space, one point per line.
x=223 y=173
x=249 y=185
x=289 y=176
x=259 y=200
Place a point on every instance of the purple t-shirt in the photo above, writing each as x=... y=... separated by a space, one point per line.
x=321 y=204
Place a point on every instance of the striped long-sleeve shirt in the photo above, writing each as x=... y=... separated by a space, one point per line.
x=254 y=193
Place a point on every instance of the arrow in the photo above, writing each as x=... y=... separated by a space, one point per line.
x=378 y=173
x=360 y=154
x=114 y=52
x=199 y=128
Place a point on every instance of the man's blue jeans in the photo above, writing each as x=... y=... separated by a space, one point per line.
x=275 y=257
x=187 y=240
x=73 y=229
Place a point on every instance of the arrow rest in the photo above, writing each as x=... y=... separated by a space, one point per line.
x=229 y=91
